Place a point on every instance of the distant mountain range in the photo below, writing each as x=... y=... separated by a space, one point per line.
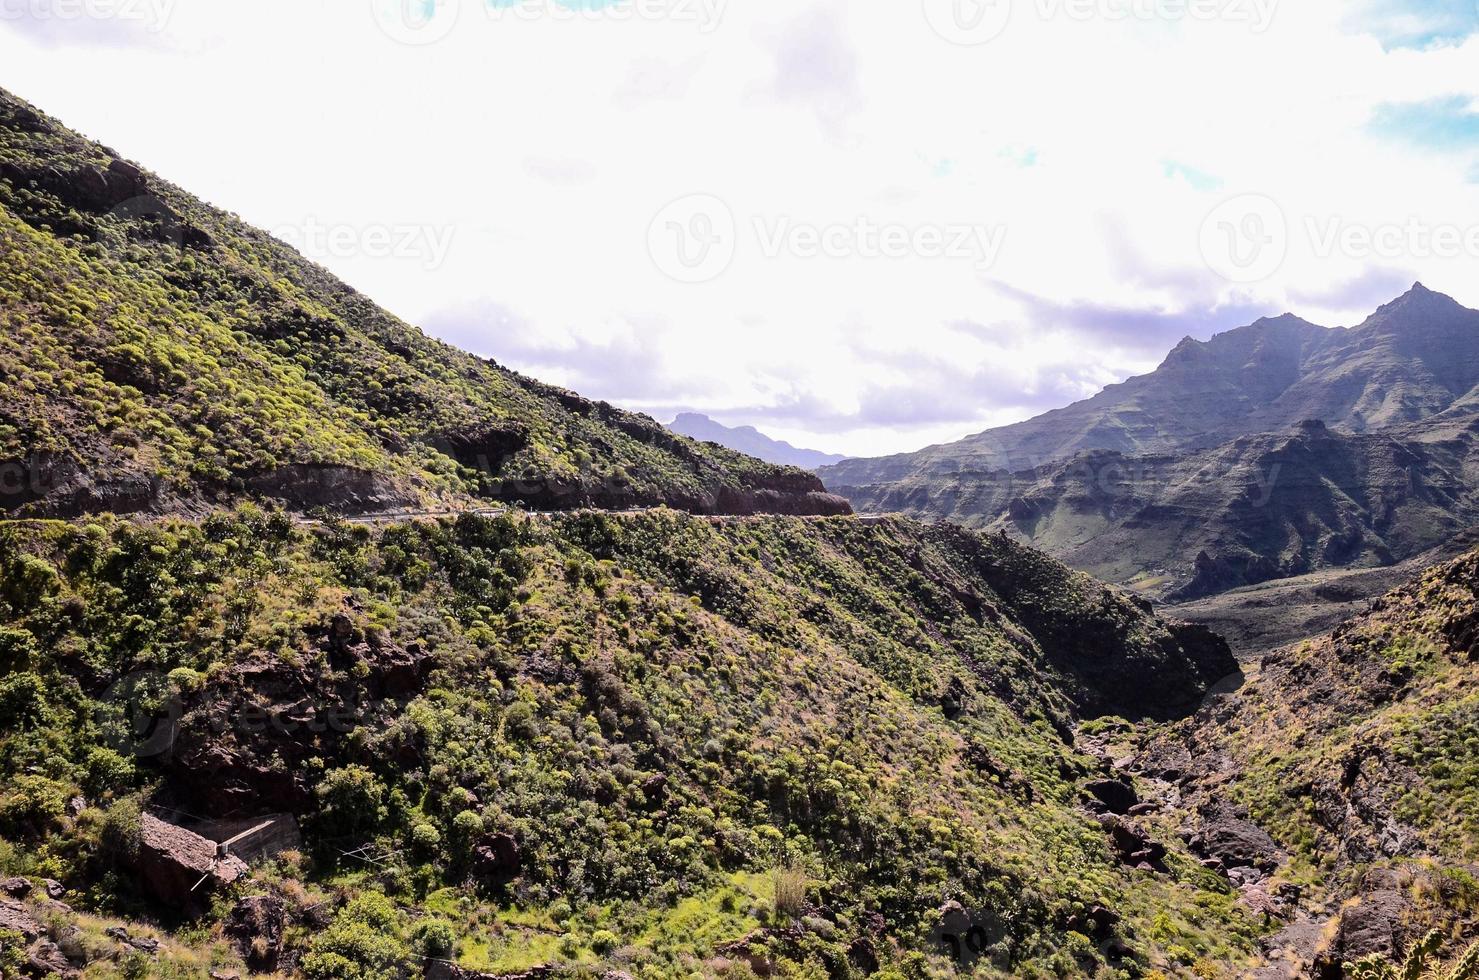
x=751 y=441
x=1271 y=450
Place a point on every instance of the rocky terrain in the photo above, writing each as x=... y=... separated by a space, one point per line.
x=1272 y=451
x=1340 y=781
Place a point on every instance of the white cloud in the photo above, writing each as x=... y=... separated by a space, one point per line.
x=548 y=141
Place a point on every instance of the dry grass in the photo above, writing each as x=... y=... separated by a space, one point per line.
x=790 y=891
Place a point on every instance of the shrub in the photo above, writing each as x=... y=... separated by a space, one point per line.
x=351 y=801
x=363 y=943
x=33 y=805
x=22 y=701
x=107 y=771
x=435 y=937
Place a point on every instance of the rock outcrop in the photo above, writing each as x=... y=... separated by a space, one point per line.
x=179 y=867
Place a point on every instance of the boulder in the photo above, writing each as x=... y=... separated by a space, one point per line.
x=1375 y=923
x=45 y=959
x=178 y=866
x=141 y=943
x=496 y=856
x=16 y=887
x=1236 y=842
x=1115 y=795
x=1133 y=844
x=15 y=917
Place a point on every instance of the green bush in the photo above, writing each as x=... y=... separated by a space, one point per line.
x=351 y=801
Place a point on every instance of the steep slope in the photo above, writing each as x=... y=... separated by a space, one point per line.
x=751 y=441
x=1256 y=509
x=586 y=742
x=157 y=353
x=1357 y=754
x=1414 y=358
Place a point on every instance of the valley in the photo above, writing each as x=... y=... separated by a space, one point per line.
x=330 y=651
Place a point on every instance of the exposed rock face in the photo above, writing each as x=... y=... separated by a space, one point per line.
x=1117 y=797
x=178 y=866
x=255 y=928
x=266 y=708
x=496 y=857
x=1133 y=844
x=337 y=488
x=1235 y=843
x=1373 y=924
x=15 y=917
x=1270 y=451
x=45 y=959
x=48 y=484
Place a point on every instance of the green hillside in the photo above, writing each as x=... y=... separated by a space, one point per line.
x=656 y=713
x=156 y=353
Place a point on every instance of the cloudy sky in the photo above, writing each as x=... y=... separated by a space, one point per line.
x=862 y=227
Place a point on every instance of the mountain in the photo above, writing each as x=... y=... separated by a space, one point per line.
x=1294 y=449
x=1260 y=508
x=1415 y=357
x=158 y=354
x=237 y=738
x=751 y=441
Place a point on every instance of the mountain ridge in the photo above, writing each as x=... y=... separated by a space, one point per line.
x=1272 y=373
x=1326 y=448
x=751 y=441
